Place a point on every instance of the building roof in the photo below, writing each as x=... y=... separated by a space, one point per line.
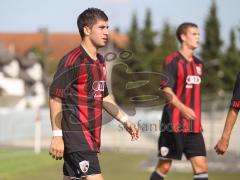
x=58 y=43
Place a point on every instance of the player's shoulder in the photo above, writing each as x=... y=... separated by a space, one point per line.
x=172 y=57
x=100 y=58
x=71 y=57
x=197 y=60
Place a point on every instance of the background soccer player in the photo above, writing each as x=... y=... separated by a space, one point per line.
x=77 y=95
x=181 y=131
x=222 y=145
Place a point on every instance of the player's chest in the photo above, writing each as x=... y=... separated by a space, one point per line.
x=189 y=74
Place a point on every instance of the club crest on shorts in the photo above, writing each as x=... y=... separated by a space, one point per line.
x=84 y=165
x=164 y=151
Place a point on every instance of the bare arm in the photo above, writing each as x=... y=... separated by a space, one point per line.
x=187 y=112
x=230 y=121
x=112 y=108
x=115 y=111
x=55 y=105
x=57 y=144
x=222 y=144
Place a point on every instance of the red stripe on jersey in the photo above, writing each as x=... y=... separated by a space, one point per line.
x=197 y=102
x=71 y=54
x=171 y=57
x=188 y=97
x=75 y=57
x=82 y=106
x=179 y=89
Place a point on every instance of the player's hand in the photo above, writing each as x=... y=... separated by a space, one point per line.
x=57 y=148
x=189 y=114
x=132 y=129
x=222 y=146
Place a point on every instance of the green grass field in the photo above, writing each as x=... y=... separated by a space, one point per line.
x=25 y=165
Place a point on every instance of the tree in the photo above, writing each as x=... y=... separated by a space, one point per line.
x=211 y=52
x=212 y=43
x=135 y=46
x=167 y=44
x=134 y=36
x=231 y=63
x=148 y=34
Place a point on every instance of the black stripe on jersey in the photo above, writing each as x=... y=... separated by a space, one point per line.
x=97 y=121
x=90 y=100
x=170 y=114
x=99 y=71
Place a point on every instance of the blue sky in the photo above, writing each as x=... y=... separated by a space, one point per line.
x=61 y=15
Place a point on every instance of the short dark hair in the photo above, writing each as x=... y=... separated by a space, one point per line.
x=89 y=17
x=182 y=29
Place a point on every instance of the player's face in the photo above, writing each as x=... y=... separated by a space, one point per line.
x=99 y=33
x=191 y=38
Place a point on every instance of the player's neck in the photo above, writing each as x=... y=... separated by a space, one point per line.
x=89 y=48
x=187 y=53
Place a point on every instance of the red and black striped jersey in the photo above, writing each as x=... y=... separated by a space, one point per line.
x=235 y=102
x=184 y=78
x=81 y=84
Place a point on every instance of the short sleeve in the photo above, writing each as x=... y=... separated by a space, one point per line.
x=59 y=83
x=235 y=102
x=169 y=72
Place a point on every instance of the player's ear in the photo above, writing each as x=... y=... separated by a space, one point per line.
x=86 y=30
x=183 y=37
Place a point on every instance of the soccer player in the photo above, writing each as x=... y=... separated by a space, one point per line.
x=181 y=131
x=77 y=95
x=222 y=145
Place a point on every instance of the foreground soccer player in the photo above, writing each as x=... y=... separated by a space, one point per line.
x=181 y=131
x=222 y=144
x=77 y=95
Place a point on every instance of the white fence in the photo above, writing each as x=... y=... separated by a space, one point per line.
x=17 y=128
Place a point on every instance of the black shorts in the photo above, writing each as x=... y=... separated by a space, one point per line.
x=81 y=164
x=173 y=145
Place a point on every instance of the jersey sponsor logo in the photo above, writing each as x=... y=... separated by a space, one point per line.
x=199 y=70
x=98 y=87
x=192 y=80
x=84 y=166
x=164 y=151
